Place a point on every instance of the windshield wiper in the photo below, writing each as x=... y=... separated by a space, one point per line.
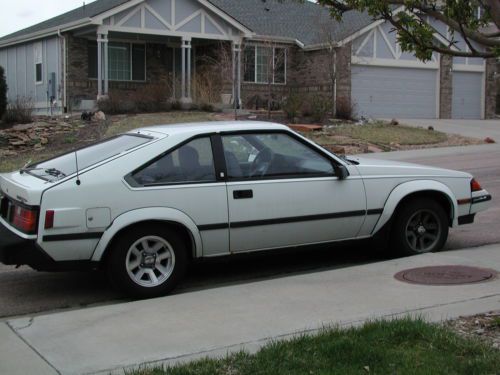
x=46 y=172
x=55 y=173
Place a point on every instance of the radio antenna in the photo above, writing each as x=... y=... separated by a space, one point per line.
x=78 y=182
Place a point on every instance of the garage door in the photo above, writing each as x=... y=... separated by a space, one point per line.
x=380 y=92
x=467 y=89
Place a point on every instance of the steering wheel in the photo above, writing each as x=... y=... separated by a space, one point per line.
x=262 y=162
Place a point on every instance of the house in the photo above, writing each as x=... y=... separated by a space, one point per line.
x=107 y=46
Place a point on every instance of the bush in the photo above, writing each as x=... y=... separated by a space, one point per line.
x=152 y=98
x=3 y=93
x=20 y=111
x=344 y=108
x=148 y=98
x=320 y=106
x=291 y=106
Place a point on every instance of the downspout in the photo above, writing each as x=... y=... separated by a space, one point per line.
x=335 y=83
x=65 y=61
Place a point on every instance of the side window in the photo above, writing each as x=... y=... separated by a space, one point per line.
x=272 y=155
x=38 y=55
x=190 y=163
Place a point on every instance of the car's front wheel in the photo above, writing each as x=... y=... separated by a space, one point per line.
x=419 y=226
x=147 y=261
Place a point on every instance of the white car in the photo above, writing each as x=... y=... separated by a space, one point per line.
x=143 y=204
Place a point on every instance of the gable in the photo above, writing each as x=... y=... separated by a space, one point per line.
x=172 y=17
x=379 y=46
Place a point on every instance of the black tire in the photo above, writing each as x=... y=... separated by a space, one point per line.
x=412 y=234
x=122 y=258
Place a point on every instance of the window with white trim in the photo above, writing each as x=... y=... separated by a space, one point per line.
x=263 y=64
x=38 y=56
x=126 y=61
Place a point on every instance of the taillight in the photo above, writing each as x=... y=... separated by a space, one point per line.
x=24 y=219
x=475 y=186
x=49 y=219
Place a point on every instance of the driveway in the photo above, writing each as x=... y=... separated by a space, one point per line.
x=467 y=128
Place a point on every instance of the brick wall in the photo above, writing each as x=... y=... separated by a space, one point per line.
x=80 y=87
x=446 y=81
x=491 y=88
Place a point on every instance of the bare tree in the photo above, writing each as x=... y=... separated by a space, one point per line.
x=271 y=60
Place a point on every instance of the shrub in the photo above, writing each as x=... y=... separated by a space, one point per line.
x=3 y=92
x=152 y=98
x=176 y=105
x=20 y=111
x=291 y=106
x=320 y=106
x=116 y=103
x=207 y=85
x=344 y=108
x=207 y=107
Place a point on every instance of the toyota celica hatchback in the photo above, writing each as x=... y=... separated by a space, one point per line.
x=141 y=205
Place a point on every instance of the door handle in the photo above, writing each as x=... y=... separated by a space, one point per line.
x=242 y=194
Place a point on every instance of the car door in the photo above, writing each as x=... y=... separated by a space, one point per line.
x=186 y=179
x=282 y=192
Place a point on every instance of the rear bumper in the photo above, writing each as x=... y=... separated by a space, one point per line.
x=15 y=250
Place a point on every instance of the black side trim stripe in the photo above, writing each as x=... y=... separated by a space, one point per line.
x=213 y=226
x=481 y=199
x=295 y=219
x=71 y=237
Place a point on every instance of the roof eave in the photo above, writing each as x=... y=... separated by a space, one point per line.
x=46 y=32
x=277 y=39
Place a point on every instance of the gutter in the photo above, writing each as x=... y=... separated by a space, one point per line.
x=45 y=33
x=278 y=39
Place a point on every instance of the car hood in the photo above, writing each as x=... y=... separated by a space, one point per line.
x=373 y=167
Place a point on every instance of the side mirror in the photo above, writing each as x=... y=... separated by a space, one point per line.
x=341 y=172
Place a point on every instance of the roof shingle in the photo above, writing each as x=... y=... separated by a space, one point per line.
x=307 y=22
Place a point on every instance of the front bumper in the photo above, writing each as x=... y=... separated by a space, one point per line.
x=15 y=250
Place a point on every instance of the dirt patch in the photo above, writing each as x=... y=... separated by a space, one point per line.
x=485 y=327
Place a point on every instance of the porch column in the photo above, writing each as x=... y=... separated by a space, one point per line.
x=105 y=72
x=99 y=66
x=186 y=71
x=102 y=65
x=236 y=47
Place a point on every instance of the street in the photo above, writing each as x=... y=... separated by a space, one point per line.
x=24 y=291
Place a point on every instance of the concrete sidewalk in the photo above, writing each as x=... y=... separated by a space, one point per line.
x=215 y=321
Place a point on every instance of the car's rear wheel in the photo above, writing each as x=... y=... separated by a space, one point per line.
x=147 y=261
x=419 y=226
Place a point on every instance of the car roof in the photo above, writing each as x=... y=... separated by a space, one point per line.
x=211 y=127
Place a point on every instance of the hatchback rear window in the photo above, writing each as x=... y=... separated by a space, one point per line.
x=65 y=165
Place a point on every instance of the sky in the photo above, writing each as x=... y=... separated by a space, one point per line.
x=19 y=14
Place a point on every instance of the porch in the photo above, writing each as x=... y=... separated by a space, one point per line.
x=146 y=46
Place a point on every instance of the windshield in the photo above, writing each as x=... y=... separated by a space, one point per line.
x=65 y=165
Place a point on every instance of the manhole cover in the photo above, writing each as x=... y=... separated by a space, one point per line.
x=446 y=275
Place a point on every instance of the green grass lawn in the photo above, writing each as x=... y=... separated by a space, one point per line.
x=403 y=347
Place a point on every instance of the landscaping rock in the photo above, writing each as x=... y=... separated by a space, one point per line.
x=394 y=122
x=431 y=128
x=99 y=116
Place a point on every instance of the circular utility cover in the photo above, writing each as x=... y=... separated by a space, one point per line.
x=446 y=275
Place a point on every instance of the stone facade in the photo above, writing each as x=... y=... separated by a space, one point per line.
x=446 y=84
x=491 y=88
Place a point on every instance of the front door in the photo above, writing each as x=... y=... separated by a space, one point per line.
x=282 y=192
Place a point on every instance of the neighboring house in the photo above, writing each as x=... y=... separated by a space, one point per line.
x=118 y=45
